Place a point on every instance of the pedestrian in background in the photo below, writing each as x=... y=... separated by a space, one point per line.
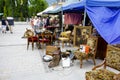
x=32 y=22
x=10 y=23
x=3 y=23
x=35 y=22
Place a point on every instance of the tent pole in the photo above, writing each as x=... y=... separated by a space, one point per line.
x=84 y=17
x=62 y=20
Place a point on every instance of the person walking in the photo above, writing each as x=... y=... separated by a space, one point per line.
x=32 y=22
x=35 y=22
x=41 y=23
x=4 y=22
x=47 y=22
x=10 y=23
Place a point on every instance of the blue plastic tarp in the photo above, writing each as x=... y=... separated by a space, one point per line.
x=108 y=3
x=106 y=19
x=74 y=7
x=69 y=6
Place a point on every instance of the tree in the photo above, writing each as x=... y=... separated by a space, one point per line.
x=22 y=8
x=36 y=6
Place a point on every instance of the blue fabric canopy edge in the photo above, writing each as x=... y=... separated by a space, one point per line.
x=69 y=7
x=108 y=3
x=106 y=21
x=74 y=6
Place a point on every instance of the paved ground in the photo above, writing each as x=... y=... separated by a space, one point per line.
x=18 y=63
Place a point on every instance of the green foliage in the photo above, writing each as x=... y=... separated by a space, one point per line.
x=5 y=12
x=37 y=6
x=22 y=8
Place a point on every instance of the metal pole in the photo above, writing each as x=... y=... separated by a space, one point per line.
x=84 y=17
x=62 y=20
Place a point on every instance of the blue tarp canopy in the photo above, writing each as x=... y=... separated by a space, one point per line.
x=74 y=7
x=105 y=16
x=77 y=6
x=108 y=3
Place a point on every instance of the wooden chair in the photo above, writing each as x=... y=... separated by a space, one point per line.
x=31 y=38
x=65 y=37
x=112 y=60
x=45 y=38
x=88 y=52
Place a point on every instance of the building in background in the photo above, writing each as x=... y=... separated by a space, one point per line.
x=50 y=2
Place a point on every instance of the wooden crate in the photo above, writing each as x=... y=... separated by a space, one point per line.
x=50 y=50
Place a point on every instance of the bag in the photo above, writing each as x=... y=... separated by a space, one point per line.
x=7 y=28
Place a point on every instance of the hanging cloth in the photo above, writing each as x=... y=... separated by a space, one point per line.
x=73 y=18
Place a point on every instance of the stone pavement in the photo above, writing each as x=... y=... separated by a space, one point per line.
x=18 y=63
